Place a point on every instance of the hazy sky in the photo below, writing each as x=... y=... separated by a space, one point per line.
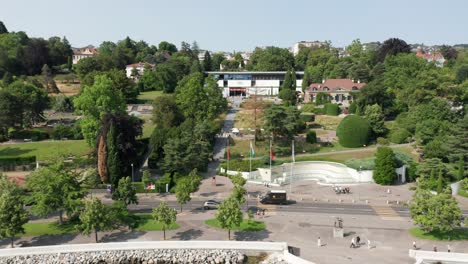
x=239 y=24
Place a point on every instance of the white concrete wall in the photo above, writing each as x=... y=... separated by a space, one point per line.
x=220 y=83
x=422 y=256
x=239 y=83
x=299 y=84
x=267 y=83
x=259 y=91
x=247 y=247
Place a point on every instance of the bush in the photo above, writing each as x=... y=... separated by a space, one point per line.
x=352 y=108
x=307 y=118
x=385 y=164
x=382 y=141
x=400 y=135
x=308 y=108
x=311 y=137
x=9 y=162
x=353 y=131
x=243 y=165
x=332 y=109
x=34 y=134
x=140 y=188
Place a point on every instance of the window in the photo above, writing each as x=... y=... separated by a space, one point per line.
x=326 y=89
x=354 y=88
x=314 y=88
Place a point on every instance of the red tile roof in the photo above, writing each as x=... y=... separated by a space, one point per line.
x=336 y=84
x=139 y=64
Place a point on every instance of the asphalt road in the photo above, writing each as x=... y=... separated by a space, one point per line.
x=299 y=207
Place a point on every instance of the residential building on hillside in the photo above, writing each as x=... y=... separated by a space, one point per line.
x=252 y=83
x=139 y=67
x=82 y=53
x=437 y=58
x=307 y=44
x=339 y=91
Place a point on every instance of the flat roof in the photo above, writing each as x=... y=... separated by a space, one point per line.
x=252 y=72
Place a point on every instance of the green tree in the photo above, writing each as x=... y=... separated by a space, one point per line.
x=440 y=182
x=385 y=164
x=375 y=117
x=182 y=191
x=3 y=29
x=282 y=121
x=207 y=62
x=96 y=217
x=113 y=157
x=13 y=215
x=229 y=214
x=353 y=131
x=271 y=59
x=95 y=101
x=147 y=179
x=165 y=216
x=288 y=89
x=218 y=58
x=54 y=188
x=166 y=113
x=435 y=212
x=125 y=192
x=392 y=46
x=166 y=46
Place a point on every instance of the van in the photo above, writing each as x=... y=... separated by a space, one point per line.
x=274 y=197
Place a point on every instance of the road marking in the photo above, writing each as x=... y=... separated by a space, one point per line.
x=386 y=213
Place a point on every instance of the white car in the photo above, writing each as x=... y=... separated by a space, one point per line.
x=210 y=204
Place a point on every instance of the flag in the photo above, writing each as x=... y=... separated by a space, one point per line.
x=252 y=152
x=293 y=159
x=272 y=154
x=228 y=152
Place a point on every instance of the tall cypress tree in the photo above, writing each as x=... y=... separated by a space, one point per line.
x=3 y=29
x=207 y=62
x=113 y=159
x=440 y=182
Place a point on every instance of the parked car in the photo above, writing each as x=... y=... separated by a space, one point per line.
x=210 y=204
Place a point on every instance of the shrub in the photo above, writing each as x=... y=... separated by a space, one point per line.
x=332 y=109
x=385 y=164
x=307 y=118
x=7 y=163
x=382 y=141
x=311 y=137
x=352 y=108
x=34 y=134
x=308 y=108
x=400 y=135
x=353 y=131
x=361 y=164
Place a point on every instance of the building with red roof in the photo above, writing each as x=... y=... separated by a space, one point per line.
x=339 y=91
x=82 y=53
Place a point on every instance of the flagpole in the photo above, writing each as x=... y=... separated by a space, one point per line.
x=250 y=161
x=292 y=164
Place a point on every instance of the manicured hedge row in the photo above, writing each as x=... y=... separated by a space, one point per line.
x=17 y=161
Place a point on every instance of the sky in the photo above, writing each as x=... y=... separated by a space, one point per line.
x=239 y=25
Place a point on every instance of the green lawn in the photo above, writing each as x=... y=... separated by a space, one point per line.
x=146 y=223
x=149 y=96
x=148 y=126
x=456 y=234
x=45 y=150
x=51 y=228
x=244 y=226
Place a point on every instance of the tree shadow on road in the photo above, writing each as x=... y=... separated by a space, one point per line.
x=48 y=240
x=121 y=236
x=208 y=194
x=252 y=235
x=190 y=234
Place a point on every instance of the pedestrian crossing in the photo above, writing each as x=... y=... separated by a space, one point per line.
x=270 y=209
x=386 y=213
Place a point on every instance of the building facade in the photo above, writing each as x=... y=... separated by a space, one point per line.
x=437 y=58
x=252 y=83
x=83 y=53
x=308 y=44
x=339 y=91
x=139 y=67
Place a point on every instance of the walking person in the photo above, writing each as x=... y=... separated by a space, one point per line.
x=353 y=245
x=368 y=244
x=414 y=245
x=319 y=242
x=449 y=248
x=358 y=240
x=434 y=248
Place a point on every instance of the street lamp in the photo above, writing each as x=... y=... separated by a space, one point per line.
x=132 y=173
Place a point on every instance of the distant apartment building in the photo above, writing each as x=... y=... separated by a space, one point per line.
x=307 y=44
x=82 y=53
x=139 y=67
x=437 y=58
x=339 y=91
x=252 y=83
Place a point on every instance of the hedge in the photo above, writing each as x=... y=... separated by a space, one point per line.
x=17 y=161
x=352 y=108
x=311 y=137
x=353 y=131
x=332 y=109
x=34 y=134
x=244 y=165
